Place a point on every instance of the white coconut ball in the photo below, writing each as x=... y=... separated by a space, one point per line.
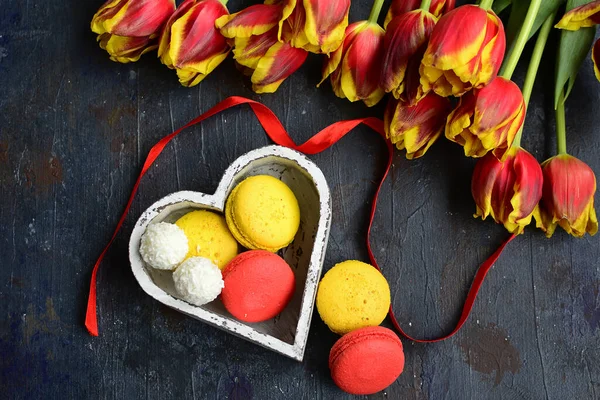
x=164 y=246
x=198 y=280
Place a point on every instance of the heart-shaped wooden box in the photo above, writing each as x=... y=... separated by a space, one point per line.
x=287 y=333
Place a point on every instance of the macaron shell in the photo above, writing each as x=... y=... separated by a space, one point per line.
x=367 y=360
x=352 y=295
x=229 y=217
x=258 y=286
x=208 y=237
x=263 y=213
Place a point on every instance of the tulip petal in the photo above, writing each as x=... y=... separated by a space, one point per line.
x=280 y=61
x=125 y=49
x=527 y=191
x=254 y=20
x=190 y=43
x=195 y=40
x=404 y=45
x=165 y=37
x=190 y=76
x=326 y=22
x=104 y=19
x=289 y=7
x=332 y=63
x=292 y=30
x=492 y=53
x=581 y=17
x=128 y=28
x=451 y=48
x=132 y=18
x=416 y=128
x=568 y=197
x=400 y=7
x=361 y=66
x=249 y=51
x=596 y=58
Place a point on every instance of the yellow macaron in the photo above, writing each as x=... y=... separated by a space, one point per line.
x=208 y=237
x=352 y=295
x=263 y=213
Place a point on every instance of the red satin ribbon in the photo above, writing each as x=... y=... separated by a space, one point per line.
x=316 y=144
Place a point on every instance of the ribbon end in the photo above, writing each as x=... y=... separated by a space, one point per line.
x=91 y=318
x=91 y=324
x=93 y=331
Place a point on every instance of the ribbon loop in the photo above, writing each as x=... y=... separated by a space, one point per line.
x=316 y=144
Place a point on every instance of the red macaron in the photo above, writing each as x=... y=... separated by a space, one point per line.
x=367 y=360
x=258 y=286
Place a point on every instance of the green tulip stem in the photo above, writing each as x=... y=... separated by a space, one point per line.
x=425 y=4
x=486 y=4
x=561 y=126
x=224 y=2
x=513 y=58
x=377 y=4
x=534 y=64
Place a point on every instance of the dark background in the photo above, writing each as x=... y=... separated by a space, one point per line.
x=74 y=131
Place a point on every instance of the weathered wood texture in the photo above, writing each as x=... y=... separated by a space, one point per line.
x=74 y=130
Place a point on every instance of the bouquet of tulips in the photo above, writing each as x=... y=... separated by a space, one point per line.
x=443 y=66
x=270 y=41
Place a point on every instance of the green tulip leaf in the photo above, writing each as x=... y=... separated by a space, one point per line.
x=500 y=5
x=517 y=17
x=573 y=49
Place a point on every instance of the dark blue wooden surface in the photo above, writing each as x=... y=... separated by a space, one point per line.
x=74 y=130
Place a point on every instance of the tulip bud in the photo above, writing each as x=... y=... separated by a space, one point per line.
x=581 y=17
x=267 y=60
x=507 y=190
x=257 y=49
x=596 y=59
x=399 y=7
x=567 y=197
x=416 y=128
x=129 y=28
x=405 y=42
x=465 y=51
x=355 y=66
x=190 y=44
x=487 y=119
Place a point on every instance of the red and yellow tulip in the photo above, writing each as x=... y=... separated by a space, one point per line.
x=465 y=51
x=254 y=33
x=267 y=60
x=190 y=44
x=416 y=128
x=487 y=119
x=567 y=197
x=509 y=190
x=355 y=67
x=581 y=17
x=129 y=28
x=399 y=7
x=315 y=25
x=405 y=42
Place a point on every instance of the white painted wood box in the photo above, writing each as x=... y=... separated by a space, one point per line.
x=287 y=333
